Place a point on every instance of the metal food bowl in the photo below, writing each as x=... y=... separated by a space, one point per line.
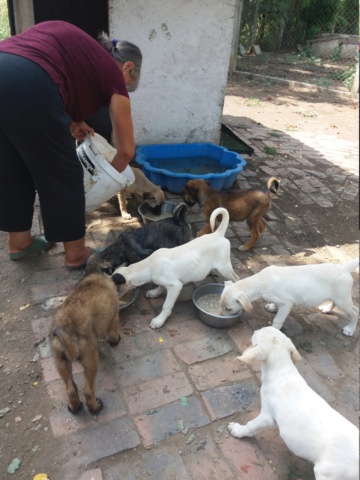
x=149 y=214
x=210 y=319
x=128 y=298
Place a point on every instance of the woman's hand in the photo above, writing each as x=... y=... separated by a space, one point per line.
x=79 y=130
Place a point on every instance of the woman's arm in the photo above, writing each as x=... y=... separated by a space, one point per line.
x=120 y=114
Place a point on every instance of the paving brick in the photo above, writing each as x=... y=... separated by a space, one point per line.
x=92 y=475
x=147 y=368
x=206 y=463
x=216 y=344
x=281 y=460
x=135 y=346
x=315 y=381
x=163 y=422
x=247 y=459
x=41 y=326
x=163 y=463
x=219 y=371
x=323 y=364
x=106 y=440
x=49 y=369
x=224 y=401
x=64 y=423
x=154 y=393
x=241 y=336
x=321 y=200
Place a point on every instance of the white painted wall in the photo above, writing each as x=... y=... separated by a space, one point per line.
x=186 y=47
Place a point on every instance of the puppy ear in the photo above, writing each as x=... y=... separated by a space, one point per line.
x=244 y=301
x=295 y=355
x=118 y=279
x=252 y=354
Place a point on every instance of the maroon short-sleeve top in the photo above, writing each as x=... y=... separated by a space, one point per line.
x=86 y=73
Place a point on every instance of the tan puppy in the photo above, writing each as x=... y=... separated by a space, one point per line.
x=144 y=191
x=250 y=205
x=89 y=312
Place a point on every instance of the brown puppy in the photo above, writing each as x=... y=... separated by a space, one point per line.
x=144 y=191
x=250 y=205
x=89 y=312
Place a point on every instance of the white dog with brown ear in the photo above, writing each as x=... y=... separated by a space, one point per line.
x=284 y=287
x=310 y=428
x=171 y=268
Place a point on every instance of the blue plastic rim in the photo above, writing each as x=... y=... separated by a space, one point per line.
x=175 y=182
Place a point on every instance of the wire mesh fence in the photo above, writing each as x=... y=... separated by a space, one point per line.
x=311 y=41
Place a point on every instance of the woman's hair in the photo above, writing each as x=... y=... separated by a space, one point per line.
x=122 y=52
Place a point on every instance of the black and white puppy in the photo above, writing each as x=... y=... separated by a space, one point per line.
x=135 y=244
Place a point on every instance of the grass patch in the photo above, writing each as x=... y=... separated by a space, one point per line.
x=270 y=150
x=254 y=102
x=306 y=346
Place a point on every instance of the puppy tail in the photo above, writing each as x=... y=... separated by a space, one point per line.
x=273 y=185
x=62 y=343
x=180 y=212
x=353 y=265
x=221 y=230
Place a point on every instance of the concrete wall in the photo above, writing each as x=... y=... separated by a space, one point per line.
x=186 y=46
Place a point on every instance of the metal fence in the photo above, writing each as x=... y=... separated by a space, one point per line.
x=311 y=41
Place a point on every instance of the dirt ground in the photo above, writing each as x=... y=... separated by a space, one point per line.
x=293 y=108
x=24 y=405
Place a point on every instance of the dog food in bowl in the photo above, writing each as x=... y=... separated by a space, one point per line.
x=206 y=302
x=149 y=214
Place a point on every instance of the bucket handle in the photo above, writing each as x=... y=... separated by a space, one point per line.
x=92 y=145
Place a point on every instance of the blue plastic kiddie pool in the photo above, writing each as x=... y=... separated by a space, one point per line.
x=170 y=166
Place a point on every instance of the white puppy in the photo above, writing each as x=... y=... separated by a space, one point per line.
x=284 y=287
x=310 y=428
x=171 y=268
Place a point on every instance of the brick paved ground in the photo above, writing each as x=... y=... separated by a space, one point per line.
x=169 y=394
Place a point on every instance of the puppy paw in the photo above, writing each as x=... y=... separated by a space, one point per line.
x=114 y=341
x=75 y=408
x=235 y=429
x=126 y=216
x=154 y=293
x=156 y=323
x=95 y=409
x=349 y=332
x=271 y=307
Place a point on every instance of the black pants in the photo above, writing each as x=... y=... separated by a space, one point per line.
x=37 y=154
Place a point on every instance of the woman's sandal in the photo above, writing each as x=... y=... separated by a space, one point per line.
x=40 y=244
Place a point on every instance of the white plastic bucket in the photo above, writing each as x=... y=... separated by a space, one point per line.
x=101 y=180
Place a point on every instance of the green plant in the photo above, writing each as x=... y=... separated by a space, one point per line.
x=306 y=113
x=4 y=20
x=306 y=346
x=349 y=76
x=336 y=54
x=323 y=82
x=267 y=83
x=254 y=102
x=270 y=150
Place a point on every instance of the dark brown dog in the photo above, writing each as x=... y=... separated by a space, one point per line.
x=89 y=312
x=250 y=205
